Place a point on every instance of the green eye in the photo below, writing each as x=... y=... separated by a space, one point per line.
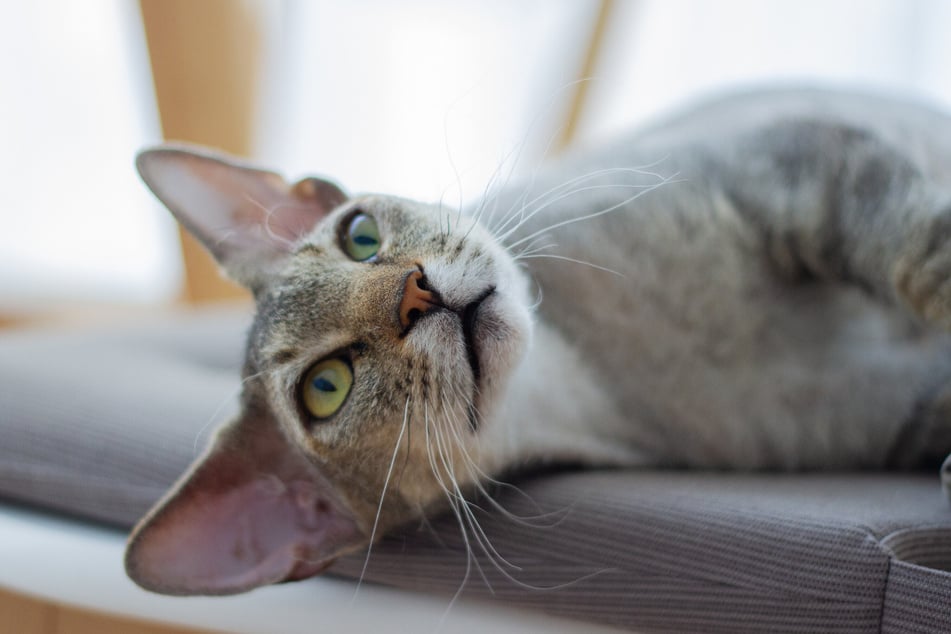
x=326 y=386
x=362 y=238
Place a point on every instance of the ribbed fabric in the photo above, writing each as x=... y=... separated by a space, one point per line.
x=917 y=600
x=98 y=423
x=658 y=552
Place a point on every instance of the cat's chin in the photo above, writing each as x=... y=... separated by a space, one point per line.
x=488 y=334
x=496 y=333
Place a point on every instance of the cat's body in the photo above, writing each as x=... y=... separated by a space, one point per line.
x=759 y=283
x=736 y=336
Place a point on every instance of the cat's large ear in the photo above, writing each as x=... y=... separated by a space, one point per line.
x=252 y=511
x=249 y=219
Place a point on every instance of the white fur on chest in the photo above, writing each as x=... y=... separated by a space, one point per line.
x=556 y=410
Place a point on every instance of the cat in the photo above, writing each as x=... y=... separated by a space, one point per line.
x=762 y=281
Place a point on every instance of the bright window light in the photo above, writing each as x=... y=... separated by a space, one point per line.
x=421 y=98
x=662 y=53
x=77 y=104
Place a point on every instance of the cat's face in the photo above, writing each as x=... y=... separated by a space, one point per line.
x=424 y=331
x=386 y=330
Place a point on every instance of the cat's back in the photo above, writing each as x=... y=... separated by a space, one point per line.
x=921 y=129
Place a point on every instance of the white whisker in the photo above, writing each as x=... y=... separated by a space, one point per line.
x=521 y=209
x=549 y=143
x=269 y=214
x=574 y=192
x=566 y=258
x=478 y=476
x=221 y=404
x=453 y=504
x=379 y=508
x=590 y=216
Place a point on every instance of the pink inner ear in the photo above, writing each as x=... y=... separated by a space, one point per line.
x=249 y=219
x=260 y=532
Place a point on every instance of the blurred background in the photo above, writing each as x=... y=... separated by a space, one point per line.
x=422 y=98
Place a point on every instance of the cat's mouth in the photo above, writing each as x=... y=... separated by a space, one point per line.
x=470 y=321
x=470 y=316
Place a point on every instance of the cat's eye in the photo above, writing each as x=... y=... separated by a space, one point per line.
x=325 y=387
x=361 y=238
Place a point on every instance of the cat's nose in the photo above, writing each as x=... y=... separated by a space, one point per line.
x=418 y=299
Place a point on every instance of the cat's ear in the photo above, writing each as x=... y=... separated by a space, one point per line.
x=249 y=219
x=252 y=511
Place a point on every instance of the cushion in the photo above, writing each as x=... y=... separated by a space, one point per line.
x=98 y=422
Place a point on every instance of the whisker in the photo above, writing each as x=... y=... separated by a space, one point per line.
x=520 y=201
x=379 y=508
x=519 y=211
x=477 y=475
x=573 y=192
x=568 y=259
x=544 y=242
x=590 y=216
x=462 y=509
x=477 y=531
x=452 y=162
x=221 y=404
x=269 y=214
x=491 y=183
x=453 y=503
x=555 y=134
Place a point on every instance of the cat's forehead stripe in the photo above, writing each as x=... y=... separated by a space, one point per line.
x=281 y=351
x=284 y=356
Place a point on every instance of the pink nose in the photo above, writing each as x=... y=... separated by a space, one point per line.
x=417 y=299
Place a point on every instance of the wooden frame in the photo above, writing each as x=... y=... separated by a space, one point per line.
x=589 y=65
x=24 y=615
x=206 y=58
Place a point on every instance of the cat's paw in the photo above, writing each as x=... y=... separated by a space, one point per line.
x=928 y=292
x=946 y=477
x=923 y=277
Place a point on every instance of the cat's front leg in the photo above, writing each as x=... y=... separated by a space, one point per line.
x=839 y=203
x=946 y=477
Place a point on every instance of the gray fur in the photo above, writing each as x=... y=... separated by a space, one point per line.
x=772 y=312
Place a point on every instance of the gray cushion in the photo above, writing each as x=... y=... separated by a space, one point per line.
x=98 y=423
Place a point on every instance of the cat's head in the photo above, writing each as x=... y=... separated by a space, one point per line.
x=385 y=332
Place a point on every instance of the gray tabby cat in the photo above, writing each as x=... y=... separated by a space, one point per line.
x=773 y=292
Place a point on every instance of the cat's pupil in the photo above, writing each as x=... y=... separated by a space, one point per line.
x=324 y=385
x=365 y=241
